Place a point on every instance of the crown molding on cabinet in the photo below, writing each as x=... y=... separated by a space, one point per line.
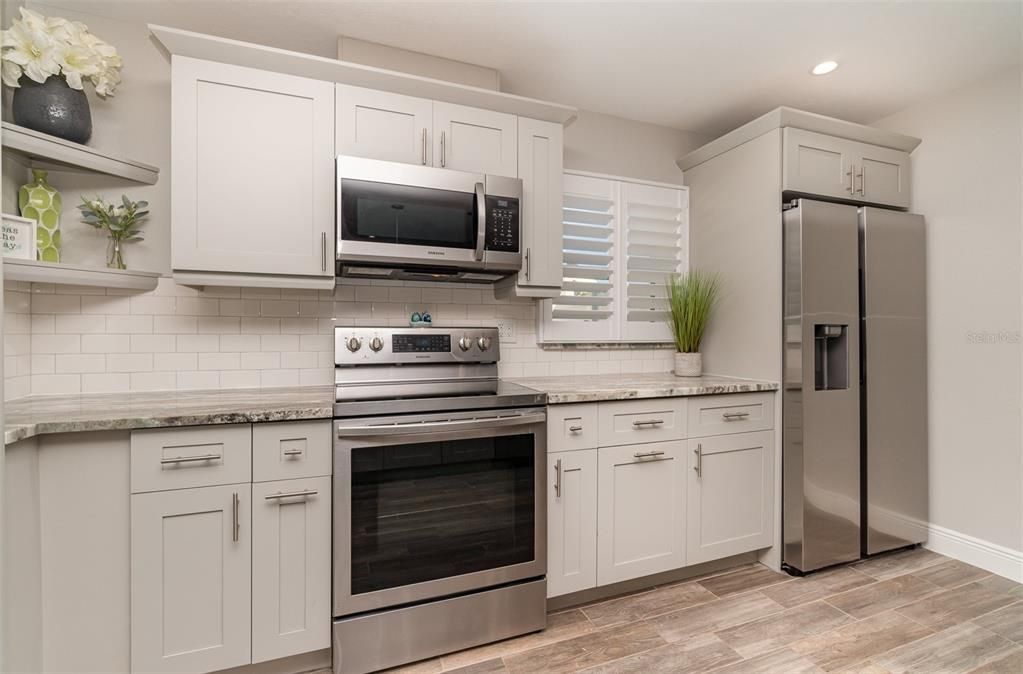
x=212 y=48
x=790 y=117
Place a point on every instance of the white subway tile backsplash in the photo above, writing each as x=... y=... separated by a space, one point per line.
x=63 y=339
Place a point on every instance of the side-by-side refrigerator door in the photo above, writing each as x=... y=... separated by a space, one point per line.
x=894 y=357
x=820 y=397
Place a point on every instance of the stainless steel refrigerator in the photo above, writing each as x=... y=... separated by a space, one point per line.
x=854 y=400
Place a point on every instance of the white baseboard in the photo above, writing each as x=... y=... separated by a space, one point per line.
x=988 y=556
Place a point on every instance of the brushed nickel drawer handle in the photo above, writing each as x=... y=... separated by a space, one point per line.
x=557 y=478
x=290 y=494
x=699 y=460
x=643 y=455
x=235 y=520
x=734 y=416
x=648 y=422
x=293 y=452
x=191 y=459
x=574 y=429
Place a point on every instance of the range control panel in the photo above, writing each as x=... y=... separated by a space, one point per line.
x=502 y=224
x=386 y=345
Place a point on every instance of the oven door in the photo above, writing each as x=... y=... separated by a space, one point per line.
x=434 y=505
x=398 y=214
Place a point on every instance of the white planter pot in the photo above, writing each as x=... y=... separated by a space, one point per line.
x=688 y=364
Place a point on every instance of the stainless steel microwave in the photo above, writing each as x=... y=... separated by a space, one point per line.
x=402 y=221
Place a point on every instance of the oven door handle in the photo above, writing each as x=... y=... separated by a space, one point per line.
x=481 y=220
x=431 y=426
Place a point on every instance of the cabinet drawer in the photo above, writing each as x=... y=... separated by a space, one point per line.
x=731 y=413
x=197 y=456
x=633 y=421
x=571 y=427
x=290 y=450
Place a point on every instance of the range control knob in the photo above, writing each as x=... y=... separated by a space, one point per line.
x=353 y=344
x=483 y=343
x=376 y=343
x=465 y=343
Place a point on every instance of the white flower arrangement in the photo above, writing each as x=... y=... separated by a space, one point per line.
x=39 y=47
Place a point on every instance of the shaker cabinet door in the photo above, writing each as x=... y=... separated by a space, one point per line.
x=290 y=567
x=383 y=125
x=883 y=176
x=190 y=579
x=474 y=140
x=640 y=515
x=730 y=495
x=540 y=168
x=815 y=163
x=252 y=170
x=571 y=521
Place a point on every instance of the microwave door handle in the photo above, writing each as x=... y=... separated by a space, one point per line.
x=481 y=220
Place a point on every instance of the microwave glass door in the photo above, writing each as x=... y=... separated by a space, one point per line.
x=432 y=510
x=418 y=216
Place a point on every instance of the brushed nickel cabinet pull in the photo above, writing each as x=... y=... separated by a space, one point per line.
x=293 y=452
x=734 y=416
x=574 y=429
x=643 y=455
x=235 y=522
x=849 y=173
x=290 y=494
x=191 y=459
x=699 y=460
x=443 y=152
x=424 y=146
x=323 y=251
x=648 y=422
x=863 y=181
x=557 y=478
x=527 y=264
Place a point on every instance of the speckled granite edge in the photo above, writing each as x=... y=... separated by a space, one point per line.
x=42 y=415
x=597 y=388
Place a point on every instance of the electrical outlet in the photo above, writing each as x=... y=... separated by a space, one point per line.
x=506 y=331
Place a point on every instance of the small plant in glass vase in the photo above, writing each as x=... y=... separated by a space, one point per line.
x=121 y=222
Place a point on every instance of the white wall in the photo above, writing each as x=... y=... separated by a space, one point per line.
x=967 y=182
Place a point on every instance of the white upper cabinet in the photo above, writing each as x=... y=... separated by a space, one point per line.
x=471 y=139
x=818 y=164
x=730 y=495
x=253 y=172
x=382 y=125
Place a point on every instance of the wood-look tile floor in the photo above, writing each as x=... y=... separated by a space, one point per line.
x=911 y=611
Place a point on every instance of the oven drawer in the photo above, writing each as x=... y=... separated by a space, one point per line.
x=290 y=450
x=195 y=456
x=633 y=421
x=730 y=413
x=571 y=427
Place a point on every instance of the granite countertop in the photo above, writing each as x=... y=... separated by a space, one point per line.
x=590 y=388
x=38 y=415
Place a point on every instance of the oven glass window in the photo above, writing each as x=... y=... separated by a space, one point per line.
x=411 y=215
x=433 y=510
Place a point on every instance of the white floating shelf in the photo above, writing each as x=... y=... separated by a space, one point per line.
x=46 y=151
x=79 y=275
x=211 y=48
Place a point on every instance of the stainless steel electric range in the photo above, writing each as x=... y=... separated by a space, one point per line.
x=439 y=512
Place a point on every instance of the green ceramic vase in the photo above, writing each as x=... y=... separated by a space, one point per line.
x=40 y=202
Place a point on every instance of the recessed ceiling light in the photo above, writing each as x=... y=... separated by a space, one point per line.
x=824 y=67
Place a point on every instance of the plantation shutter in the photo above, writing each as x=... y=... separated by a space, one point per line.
x=585 y=310
x=654 y=237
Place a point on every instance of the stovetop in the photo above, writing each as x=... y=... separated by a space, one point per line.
x=496 y=395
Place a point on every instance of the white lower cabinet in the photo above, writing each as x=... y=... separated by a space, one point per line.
x=290 y=567
x=571 y=521
x=190 y=579
x=730 y=495
x=640 y=512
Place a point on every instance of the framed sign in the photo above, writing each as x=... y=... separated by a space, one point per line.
x=19 y=237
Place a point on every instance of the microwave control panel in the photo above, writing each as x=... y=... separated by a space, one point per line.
x=502 y=224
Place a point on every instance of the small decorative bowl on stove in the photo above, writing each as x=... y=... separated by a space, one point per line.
x=420 y=320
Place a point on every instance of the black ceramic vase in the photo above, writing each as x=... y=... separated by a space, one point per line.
x=54 y=108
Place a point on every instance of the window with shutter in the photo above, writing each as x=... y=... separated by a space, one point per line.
x=622 y=239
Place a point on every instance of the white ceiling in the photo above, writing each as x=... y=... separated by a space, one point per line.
x=699 y=66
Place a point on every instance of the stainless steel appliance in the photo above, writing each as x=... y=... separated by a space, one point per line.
x=402 y=221
x=439 y=530
x=854 y=404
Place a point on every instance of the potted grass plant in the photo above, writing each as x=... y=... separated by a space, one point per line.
x=691 y=298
